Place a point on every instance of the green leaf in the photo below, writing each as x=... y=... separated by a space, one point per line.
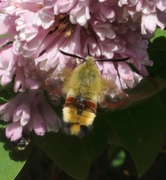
x=6 y=93
x=119 y=159
x=3 y=125
x=157 y=51
x=97 y=140
x=11 y=162
x=159 y=33
x=66 y=151
x=141 y=130
x=74 y=154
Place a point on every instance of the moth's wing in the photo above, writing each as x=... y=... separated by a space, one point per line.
x=52 y=81
x=129 y=97
x=53 y=88
x=147 y=88
x=112 y=98
x=55 y=85
x=112 y=103
x=66 y=75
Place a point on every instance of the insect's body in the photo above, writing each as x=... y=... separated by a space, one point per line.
x=82 y=87
x=22 y=143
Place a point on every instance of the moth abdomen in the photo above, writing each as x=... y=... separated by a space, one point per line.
x=78 y=115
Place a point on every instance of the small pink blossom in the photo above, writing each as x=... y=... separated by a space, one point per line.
x=7 y=110
x=7 y=65
x=49 y=114
x=38 y=121
x=148 y=26
x=14 y=131
x=43 y=18
x=128 y=78
x=103 y=30
x=27 y=30
x=25 y=112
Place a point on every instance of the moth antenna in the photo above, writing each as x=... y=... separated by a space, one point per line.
x=114 y=60
x=71 y=55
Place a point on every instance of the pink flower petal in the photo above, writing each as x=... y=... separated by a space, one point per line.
x=14 y=131
x=38 y=122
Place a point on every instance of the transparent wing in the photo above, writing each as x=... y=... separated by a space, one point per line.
x=147 y=88
x=50 y=81
x=54 y=88
x=129 y=97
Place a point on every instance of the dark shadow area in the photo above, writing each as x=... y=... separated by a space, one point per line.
x=40 y=167
x=11 y=147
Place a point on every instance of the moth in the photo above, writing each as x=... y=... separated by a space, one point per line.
x=85 y=90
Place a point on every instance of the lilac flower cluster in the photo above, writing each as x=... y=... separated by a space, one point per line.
x=32 y=32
